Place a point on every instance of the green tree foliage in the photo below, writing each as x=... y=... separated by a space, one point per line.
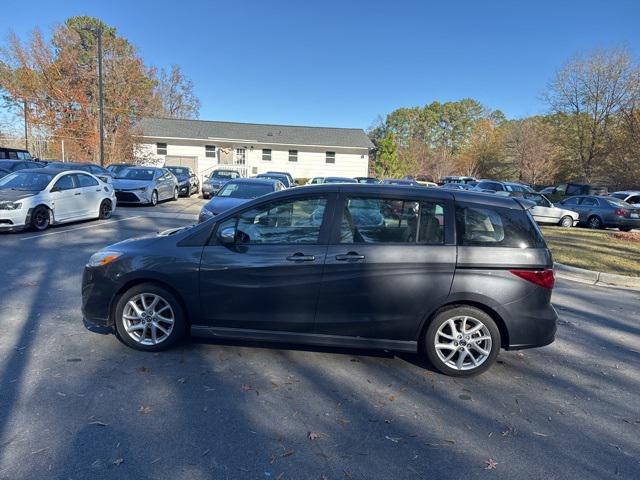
x=387 y=162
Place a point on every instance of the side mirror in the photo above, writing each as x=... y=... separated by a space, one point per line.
x=227 y=236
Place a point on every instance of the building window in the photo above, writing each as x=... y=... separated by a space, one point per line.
x=330 y=157
x=266 y=154
x=293 y=155
x=254 y=170
x=210 y=151
x=161 y=148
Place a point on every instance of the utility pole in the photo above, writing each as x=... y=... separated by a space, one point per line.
x=26 y=125
x=101 y=95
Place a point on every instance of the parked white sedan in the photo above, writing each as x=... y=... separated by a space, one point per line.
x=632 y=197
x=42 y=197
x=545 y=212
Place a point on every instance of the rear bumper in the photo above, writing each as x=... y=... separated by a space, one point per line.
x=623 y=222
x=529 y=327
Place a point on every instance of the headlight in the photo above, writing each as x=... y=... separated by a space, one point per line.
x=10 y=205
x=143 y=189
x=103 y=258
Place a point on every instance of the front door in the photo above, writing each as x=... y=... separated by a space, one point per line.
x=269 y=278
x=66 y=198
x=390 y=262
x=91 y=195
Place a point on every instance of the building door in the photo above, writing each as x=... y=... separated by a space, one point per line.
x=240 y=161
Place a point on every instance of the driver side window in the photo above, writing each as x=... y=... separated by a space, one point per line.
x=293 y=221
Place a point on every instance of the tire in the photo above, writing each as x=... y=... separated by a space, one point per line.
x=40 y=218
x=106 y=210
x=458 y=363
x=205 y=196
x=154 y=198
x=594 y=222
x=189 y=191
x=176 y=194
x=625 y=229
x=566 y=222
x=136 y=328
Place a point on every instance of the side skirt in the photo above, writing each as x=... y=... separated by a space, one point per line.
x=304 y=338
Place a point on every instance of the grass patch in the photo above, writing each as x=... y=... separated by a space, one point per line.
x=600 y=250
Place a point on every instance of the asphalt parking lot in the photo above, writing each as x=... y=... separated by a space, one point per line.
x=77 y=404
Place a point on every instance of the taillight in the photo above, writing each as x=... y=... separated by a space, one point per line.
x=544 y=278
x=620 y=212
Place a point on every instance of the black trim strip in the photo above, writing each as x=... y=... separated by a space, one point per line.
x=304 y=338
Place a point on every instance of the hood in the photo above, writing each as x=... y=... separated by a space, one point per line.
x=219 y=204
x=8 y=195
x=126 y=184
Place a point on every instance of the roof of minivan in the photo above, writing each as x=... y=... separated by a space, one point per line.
x=401 y=190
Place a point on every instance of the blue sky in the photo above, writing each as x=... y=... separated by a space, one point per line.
x=344 y=63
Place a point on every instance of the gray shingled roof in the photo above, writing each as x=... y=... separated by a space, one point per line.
x=256 y=132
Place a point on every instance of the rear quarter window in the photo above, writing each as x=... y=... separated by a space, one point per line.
x=490 y=226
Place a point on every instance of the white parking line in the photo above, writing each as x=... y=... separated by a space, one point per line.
x=80 y=228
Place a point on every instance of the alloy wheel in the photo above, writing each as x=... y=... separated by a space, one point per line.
x=463 y=342
x=148 y=318
x=106 y=210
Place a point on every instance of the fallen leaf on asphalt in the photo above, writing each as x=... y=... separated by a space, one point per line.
x=324 y=477
x=450 y=441
x=99 y=424
x=393 y=439
x=342 y=421
x=206 y=452
x=279 y=477
x=272 y=458
x=490 y=463
x=540 y=434
x=156 y=460
x=287 y=454
x=312 y=435
x=145 y=409
x=245 y=388
x=143 y=369
x=118 y=461
x=181 y=380
x=392 y=398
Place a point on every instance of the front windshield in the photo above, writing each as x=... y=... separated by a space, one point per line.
x=116 y=169
x=244 y=190
x=178 y=171
x=137 y=174
x=621 y=196
x=27 y=181
x=224 y=174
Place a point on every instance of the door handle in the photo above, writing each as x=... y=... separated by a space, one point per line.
x=301 y=257
x=349 y=256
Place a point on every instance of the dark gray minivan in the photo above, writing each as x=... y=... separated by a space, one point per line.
x=454 y=275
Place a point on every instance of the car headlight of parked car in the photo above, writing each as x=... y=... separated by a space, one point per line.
x=103 y=258
x=10 y=205
x=141 y=189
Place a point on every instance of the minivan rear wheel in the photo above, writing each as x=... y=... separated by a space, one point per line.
x=149 y=317
x=462 y=341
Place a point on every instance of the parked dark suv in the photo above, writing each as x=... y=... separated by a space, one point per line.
x=456 y=275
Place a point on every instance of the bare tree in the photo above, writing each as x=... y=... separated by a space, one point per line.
x=175 y=94
x=586 y=94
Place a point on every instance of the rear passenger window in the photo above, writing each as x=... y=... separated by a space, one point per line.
x=86 y=181
x=490 y=226
x=378 y=220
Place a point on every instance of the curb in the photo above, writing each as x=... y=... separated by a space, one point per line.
x=596 y=278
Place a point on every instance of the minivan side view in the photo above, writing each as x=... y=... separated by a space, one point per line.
x=450 y=274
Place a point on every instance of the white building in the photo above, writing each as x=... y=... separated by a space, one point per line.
x=251 y=148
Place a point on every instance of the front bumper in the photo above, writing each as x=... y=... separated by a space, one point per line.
x=133 y=196
x=14 y=220
x=98 y=292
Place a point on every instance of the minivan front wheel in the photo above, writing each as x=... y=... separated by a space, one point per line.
x=462 y=341
x=148 y=317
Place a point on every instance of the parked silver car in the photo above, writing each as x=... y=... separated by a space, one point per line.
x=147 y=185
x=545 y=212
